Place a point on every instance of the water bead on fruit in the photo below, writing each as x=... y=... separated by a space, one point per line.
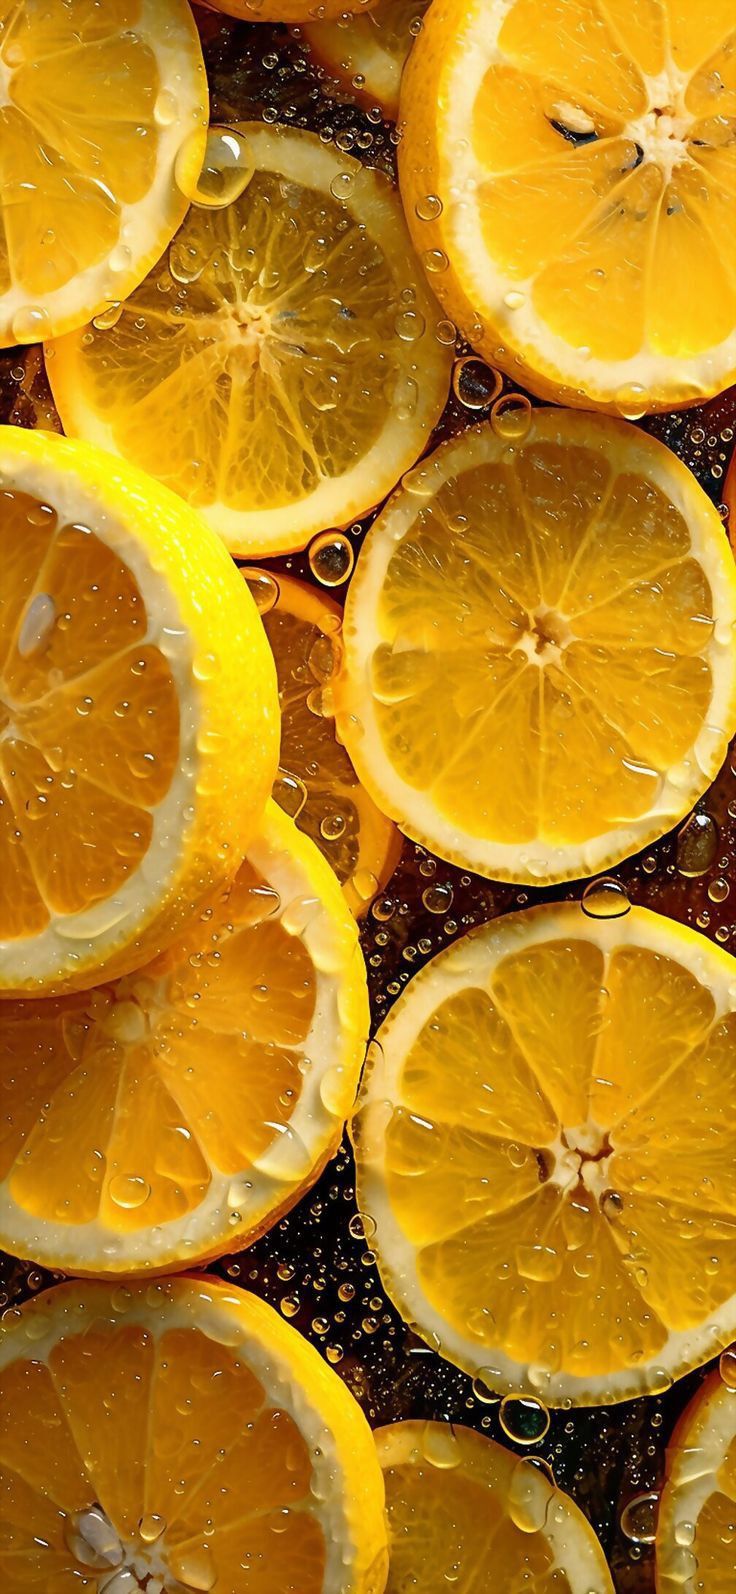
x=523 y=1419
x=511 y=417
x=474 y=383
x=605 y=899
x=225 y=173
x=639 y=1518
x=331 y=558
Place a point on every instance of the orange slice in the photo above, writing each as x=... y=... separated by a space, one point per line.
x=179 y=1438
x=694 y=1542
x=368 y=54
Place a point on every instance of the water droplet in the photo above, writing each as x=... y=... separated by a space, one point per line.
x=437 y=898
x=605 y=899
x=727 y=1367
x=529 y=1496
x=263 y=588
x=226 y=171
x=129 y=1191
x=440 y=1446
x=108 y=317
x=483 y=1386
x=632 y=401
x=290 y=792
x=474 y=383
x=523 y=1419
x=332 y=827
x=341 y=186
x=194 y=1568
x=697 y=845
x=410 y=326
x=151 y=1527
x=428 y=208
x=718 y=890
x=166 y=108
x=639 y=1518
x=514 y=300
x=511 y=417
x=31 y=324
x=611 y=1205
x=331 y=558
x=120 y=259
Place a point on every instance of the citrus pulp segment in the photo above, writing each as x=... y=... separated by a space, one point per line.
x=367 y=54
x=280 y=369
x=93 y=153
x=696 y=1513
x=574 y=165
x=175 y=1438
x=546 y=1144
x=138 y=715
x=176 y=1113
x=464 y=1511
x=539 y=671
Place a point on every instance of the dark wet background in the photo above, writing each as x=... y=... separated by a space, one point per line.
x=316 y=1266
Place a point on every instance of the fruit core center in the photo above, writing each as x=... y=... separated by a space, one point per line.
x=662 y=133
x=579 y=1156
x=546 y=636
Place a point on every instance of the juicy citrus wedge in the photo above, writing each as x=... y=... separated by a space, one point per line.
x=575 y=165
x=316 y=782
x=290 y=10
x=539 y=672
x=546 y=1144
x=176 y=1113
x=367 y=54
x=696 y=1513
x=280 y=370
x=177 y=1438
x=103 y=117
x=464 y=1512
x=138 y=714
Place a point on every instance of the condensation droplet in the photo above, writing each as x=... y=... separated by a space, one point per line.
x=474 y=383
x=511 y=417
x=129 y=1191
x=331 y=558
x=225 y=174
x=523 y=1419
x=605 y=899
x=697 y=845
x=639 y=1518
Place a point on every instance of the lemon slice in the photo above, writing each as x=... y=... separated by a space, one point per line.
x=463 y=1511
x=177 y=1438
x=138 y=715
x=102 y=126
x=546 y=1147
x=696 y=1513
x=368 y=54
x=539 y=673
x=575 y=165
x=281 y=370
x=176 y=1113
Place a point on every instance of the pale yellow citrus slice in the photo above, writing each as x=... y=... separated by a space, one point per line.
x=547 y=1146
x=465 y=1513
x=281 y=369
x=138 y=715
x=367 y=54
x=175 y=1113
x=290 y=10
x=175 y=1438
x=316 y=782
x=539 y=665
x=103 y=117
x=696 y=1515
x=574 y=163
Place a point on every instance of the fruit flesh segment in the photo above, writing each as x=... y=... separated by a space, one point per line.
x=575 y=1212
x=560 y=631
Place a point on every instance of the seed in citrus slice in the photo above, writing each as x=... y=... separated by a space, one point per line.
x=367 y=54
x=463 y=1511
x=280 y=369
x=694 y=1544
x=138 y=715
x=316 y=782
x=174 y=1114
x=575 y=166
x=179 y=1436
x=104 y=114
x=539 y=670
x=546 y=1145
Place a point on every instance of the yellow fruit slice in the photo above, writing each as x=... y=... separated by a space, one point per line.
x=368 y=54
x=696 y=1513
x=463 y=1512
x=102 y=127
x=290 y=10
x=138 y=715
x=179 y=1437
x=539 y=672
x=575 y=165
x=281 y=369
x=547 y=1147
x=316 y=782
x=176 y=1113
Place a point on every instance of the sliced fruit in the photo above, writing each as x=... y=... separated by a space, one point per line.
x=539 y=669
x=177 y=1112
x=547 y=1145
x=180 y=1437
x=138 y=715
x=368 y=54
x=575 y=165
x=290 y=10
x=464 y=1512
x=281 y=369
x=102 y=129
x=696 y=1514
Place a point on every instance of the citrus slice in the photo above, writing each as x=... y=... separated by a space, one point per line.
x=176 y=1113
x=546 y=1145
x=316 y=782
x=368 y=54
x=574 y=164
x=103 y=116
x=138 y=714
x=696 y=1513
x=290 y=10
x=463 y=1511
x=281 y=369
x=539 y=669
x=175 y=1438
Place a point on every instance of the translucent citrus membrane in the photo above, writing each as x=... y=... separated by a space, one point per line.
x=369 y=52
x=62 y=193
x=568 y=1180
x=89 y=719
x=562 y=632
x=173 y=1444
x=606 y=208
x=118 y=1104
